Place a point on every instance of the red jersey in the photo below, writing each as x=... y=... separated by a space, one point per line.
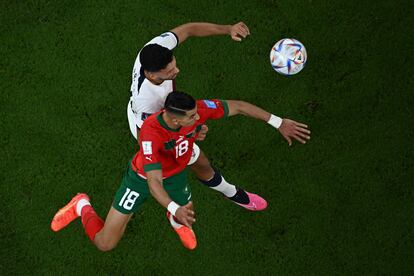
x=170 y=149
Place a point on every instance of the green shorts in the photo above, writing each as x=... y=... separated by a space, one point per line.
x=134 y=190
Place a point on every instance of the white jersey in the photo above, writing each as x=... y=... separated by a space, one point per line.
x=148 y=98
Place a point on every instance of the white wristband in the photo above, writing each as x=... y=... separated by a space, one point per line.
x=172 y=207
x=274 y=121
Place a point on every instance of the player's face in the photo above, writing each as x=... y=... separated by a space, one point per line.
x=189 y=119
x=170 y=72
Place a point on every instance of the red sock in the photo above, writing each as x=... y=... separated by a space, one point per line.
x=91 y=221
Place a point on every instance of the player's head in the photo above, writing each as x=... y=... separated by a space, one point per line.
x=158 y=62
x=181 y=108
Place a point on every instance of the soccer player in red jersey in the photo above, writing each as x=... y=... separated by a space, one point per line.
x=153 y=78
x=159 y=169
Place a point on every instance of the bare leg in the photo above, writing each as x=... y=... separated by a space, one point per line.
x=202 y=168
x=113 y=230
x=213 y=179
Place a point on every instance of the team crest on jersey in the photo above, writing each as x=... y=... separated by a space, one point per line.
x=147 y=147
x=210 y=104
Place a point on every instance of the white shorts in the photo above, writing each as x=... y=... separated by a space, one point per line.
x=133 y=124
x=194 y=155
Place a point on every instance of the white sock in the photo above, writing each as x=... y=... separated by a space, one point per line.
x=225 y=188
x=174 y=223
x=81 y=203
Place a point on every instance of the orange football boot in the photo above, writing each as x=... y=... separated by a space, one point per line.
x=67 y=214
x=186 y=235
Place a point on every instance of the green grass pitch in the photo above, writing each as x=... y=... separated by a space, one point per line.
x=340 y=205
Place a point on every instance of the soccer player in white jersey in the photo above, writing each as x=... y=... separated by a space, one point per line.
x=153 y=76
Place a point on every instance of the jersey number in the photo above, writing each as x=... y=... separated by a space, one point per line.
x=128 y=199
x=181 y=148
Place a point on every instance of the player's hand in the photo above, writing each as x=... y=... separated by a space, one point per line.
x=203 y=133
x=291 y=129
x=239 y=31
x=185 y=214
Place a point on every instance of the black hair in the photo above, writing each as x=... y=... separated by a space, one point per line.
x=154 y=57
x=179 y=103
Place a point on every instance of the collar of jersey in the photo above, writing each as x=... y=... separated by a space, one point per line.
x=164 y=124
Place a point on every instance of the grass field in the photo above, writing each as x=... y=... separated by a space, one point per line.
x=340 y=205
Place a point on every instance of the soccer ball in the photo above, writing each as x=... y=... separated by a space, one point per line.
x=288 y=56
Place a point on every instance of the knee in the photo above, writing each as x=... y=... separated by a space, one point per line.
x=105 y=247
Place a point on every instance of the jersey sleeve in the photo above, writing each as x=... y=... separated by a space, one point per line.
x=150 y=149
x=168 y=40
x=213 y=109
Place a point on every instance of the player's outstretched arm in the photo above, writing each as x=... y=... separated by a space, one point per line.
x=236 y=31
x=288 y=128
x=184 y=214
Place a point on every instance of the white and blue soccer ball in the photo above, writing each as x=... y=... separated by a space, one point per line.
x=288 y=56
